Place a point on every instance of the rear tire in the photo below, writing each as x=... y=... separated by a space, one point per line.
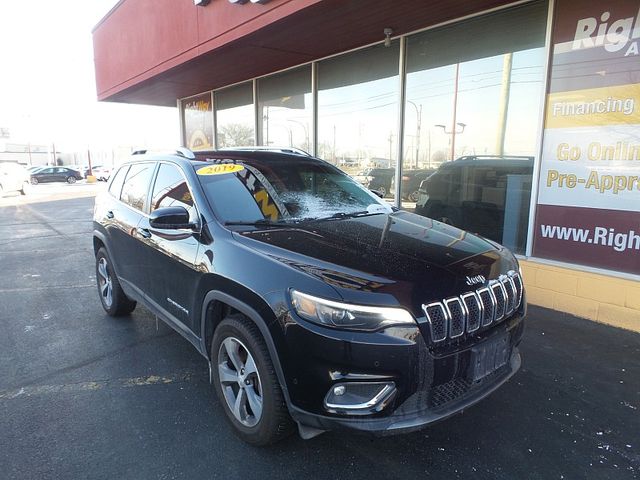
x=113 y=299
x=239 y=352
x=26 y=187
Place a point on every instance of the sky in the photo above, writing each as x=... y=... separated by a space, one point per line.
x=47 y=82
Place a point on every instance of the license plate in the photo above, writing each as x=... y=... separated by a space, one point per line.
x=489 y=356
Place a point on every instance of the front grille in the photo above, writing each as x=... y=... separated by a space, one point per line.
x=452 y=317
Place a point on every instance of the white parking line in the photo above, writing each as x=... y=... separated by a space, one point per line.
x=92 y=386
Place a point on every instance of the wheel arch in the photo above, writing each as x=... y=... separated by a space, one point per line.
x=216 y=306
x=99 y=241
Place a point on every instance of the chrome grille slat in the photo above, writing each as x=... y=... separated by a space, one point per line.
x=467 y=313
x=474 y=311
x=510 y=288
x=501 y=299
x=488 y=304
x=457 y=316
x=517 y=281
x=437 y=317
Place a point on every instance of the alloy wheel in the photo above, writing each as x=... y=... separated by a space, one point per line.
x=240 y=381
x=105 y=282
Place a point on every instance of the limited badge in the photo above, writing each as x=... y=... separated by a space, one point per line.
x=219 y=169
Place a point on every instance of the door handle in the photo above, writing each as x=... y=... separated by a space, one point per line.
x=143 y=232
x=110 y=214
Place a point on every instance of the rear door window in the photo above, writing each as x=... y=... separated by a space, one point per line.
x=136 y=185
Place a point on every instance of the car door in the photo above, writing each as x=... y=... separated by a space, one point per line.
x=60 y=174
x=123 y=219
x=45 y=175
x=170 y=255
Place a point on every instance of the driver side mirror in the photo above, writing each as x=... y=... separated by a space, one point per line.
x=378 y=193
x=171 y=218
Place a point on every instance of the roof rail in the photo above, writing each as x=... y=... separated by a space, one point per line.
x=185 y=152
x=182 y=151
x=297 y=151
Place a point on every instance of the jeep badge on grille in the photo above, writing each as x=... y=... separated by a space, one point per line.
x=475 y=280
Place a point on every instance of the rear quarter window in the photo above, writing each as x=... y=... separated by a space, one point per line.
x=118 y=180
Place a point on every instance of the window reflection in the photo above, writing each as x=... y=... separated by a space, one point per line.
x=474 y=91
x=357 y=114
x=170 y=189
x=285 y=106
x=235 y=116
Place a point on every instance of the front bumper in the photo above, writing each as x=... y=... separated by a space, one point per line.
x=433 y=381
x=411 y=415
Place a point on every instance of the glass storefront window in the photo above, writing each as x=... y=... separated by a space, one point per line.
x=235 y=116
x=474 y=91
x=285 y=106
x=357 y=114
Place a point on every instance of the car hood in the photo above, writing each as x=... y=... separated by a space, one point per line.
x=399 y=258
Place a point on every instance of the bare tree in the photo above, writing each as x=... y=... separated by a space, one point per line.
x=236 y=135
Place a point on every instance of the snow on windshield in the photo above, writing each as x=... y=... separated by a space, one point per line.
x=308 y=205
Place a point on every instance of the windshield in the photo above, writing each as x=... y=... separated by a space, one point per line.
x=281 y=190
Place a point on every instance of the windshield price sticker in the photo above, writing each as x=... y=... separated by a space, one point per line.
x=220 y=169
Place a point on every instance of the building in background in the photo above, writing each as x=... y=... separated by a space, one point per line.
x=528 y=110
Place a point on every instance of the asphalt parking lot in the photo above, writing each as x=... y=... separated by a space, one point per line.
x=83 y=395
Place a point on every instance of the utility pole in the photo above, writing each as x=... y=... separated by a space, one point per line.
x=455 y=112
x=504 y=102
x=334 y=144
x=418 y=126
x=89 y=161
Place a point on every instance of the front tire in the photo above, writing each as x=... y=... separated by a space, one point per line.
x=113 y=299
x=34 y=181
x=71 y=180
x=26 y=187
x=246 y=383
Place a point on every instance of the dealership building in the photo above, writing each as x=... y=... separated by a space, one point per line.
x=529 y=111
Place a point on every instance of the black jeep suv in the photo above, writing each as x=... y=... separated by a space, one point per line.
x=314 y=302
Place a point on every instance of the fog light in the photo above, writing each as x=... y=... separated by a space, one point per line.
x=359 y=398
x=339 y=390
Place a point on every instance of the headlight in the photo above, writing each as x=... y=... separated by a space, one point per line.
x=342 y=315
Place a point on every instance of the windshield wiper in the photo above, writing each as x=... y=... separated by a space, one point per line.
x=341 y=215
x=263 y=222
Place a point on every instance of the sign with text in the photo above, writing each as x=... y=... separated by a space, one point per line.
x=198 y=122
x=589 y=193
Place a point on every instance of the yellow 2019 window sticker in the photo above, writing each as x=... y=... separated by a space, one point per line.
x=219 y=169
